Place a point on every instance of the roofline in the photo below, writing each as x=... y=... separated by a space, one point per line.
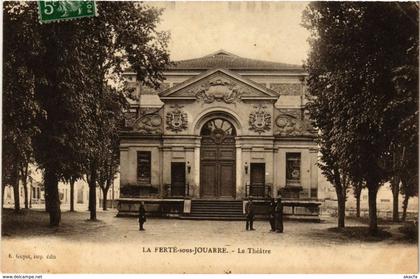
x=281 y=66
x=242 y=98
x=168 y=91
x=214 y=53
x=301 y=69
x=240 y=72
x=292 y=66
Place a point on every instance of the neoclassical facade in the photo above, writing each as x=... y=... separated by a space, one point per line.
x=221 y=128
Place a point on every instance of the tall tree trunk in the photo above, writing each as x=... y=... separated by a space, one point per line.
x=112 y=194
x=110 y=180
x=341 y=210
x=340 y=190
x=395 y=193
x=358 y=206
x=25 y=190
x=92 y=193
x=46 y=199
x=357 y=193
x=3 y=187
x=16 y=188
x=104 y=199
x=52 y=197
x=24 y=177
x=373 y=219
x=106 y=189
x=405 y=205
x=72 y=181
x=31 y=192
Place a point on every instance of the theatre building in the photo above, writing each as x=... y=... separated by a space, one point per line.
x=220 y=129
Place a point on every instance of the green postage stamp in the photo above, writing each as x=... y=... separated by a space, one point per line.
x=53 y=10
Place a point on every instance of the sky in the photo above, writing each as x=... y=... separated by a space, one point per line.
x=260 y=30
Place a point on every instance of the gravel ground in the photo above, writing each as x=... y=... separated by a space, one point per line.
x=114 y=245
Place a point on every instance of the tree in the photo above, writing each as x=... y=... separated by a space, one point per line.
x=404 y=113
x=410 y=188
x=20 y=108
x=319 y=109
x=109 y=155
x=61 y=141
x=355 y=49
x=398 y=157
x=72 y=181
x=24 y=175
x=78 y=59
x=357 y=191
x=116 y=44
x=31 y=189
x=50 y=110
x=340 y=181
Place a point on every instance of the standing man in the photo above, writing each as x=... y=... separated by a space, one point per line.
x=279 y=216
x=250 y=213
x=142 y=216
x=272 y=214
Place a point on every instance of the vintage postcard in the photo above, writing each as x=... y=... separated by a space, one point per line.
x=182 y=137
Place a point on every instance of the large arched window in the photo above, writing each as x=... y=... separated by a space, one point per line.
x=218 y=127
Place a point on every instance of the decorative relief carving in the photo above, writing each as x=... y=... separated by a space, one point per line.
x=291 y=89
x=149 y=123
x=290 y=124
x=259 y=120
x=218 y=89
x=177 y=120
x=129 y=119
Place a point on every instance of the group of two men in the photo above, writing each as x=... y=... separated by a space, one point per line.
x=276 y=215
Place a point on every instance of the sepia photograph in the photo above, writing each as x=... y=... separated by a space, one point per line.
x=210 y=137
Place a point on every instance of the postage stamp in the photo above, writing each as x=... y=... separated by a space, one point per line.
x=50 y=11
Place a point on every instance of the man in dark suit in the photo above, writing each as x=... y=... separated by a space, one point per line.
x=250 y=213
x=272 y=214
x=142 y=216
x=279 y=216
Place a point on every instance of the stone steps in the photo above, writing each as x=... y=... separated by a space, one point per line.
x=215 y=210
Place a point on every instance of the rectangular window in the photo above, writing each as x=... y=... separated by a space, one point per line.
x=292 y=169
x=144 y=167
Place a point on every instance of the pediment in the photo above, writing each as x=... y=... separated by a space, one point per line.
x=219 y=85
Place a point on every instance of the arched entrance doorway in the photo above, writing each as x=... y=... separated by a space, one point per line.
x=217 y=166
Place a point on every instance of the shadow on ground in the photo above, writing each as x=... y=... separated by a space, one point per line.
x=391 y=233
x=75 y=226
x=351 y=234
x=32 y=223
